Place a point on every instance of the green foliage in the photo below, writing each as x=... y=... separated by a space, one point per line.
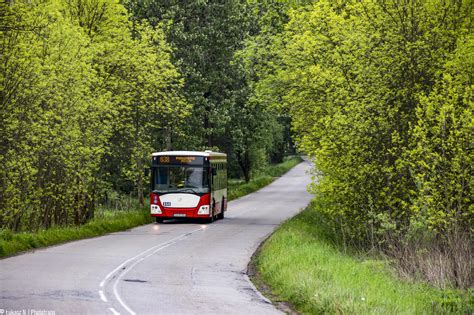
x=105 y=222
x=380 y=94
x=254 y=133
x=120 y=213
x=83 y=91
x=206 y=36
x=258 y=129
x=304 y=266
x=357 y=77
x=89 y=90
x=48 y=155
x=441 y=156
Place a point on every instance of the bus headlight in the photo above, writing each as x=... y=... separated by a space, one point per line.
x=204 y=210
x=155 y=209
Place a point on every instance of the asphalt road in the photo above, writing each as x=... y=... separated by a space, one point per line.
x=170 y=268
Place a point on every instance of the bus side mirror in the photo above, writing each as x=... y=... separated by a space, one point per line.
x=214 y=172
x=147 y=172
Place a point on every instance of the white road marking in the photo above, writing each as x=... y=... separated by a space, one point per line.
x=114 y=311
x=177 y=238
x=102 y=296
x=138 y=258
x=117 y=280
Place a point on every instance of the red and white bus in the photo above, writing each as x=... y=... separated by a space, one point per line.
x=188 y=184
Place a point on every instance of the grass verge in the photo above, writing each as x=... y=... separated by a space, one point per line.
x=239 y=189
x=108 y=221
x=299 y=264
x=105 y=222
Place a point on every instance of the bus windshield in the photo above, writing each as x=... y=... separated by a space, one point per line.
x=185 y=179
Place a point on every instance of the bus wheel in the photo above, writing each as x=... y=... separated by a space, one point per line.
x=210 y=219
x=220 y=216
x=159 y=220
x=212 y=215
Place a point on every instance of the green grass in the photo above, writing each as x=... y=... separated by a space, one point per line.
x=302 y=266
x=107 y=220
x=238 y=188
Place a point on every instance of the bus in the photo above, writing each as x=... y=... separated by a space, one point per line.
x=188 y=184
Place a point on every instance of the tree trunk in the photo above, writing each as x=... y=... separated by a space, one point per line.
x=140 y=185
x=244 y=163
x=167 y=139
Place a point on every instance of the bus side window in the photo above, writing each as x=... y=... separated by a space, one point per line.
x=214 y=177
x=222 y=174
x=218 y=177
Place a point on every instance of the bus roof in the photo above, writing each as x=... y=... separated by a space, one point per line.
x=189 y=153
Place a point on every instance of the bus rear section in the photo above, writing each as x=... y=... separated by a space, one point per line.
x=188 y=184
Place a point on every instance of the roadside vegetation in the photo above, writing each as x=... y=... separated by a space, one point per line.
x=122 y=213
x=304 y=263
x=380 y=94
x=89 y=89
x=106 y=221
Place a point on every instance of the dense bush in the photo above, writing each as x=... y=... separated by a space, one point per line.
x=89 y=89
x=380 y=93
x=81 y=89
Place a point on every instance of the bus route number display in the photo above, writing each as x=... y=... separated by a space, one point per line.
x=164 y=159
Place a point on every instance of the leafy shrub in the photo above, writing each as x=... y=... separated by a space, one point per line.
x=381 y=97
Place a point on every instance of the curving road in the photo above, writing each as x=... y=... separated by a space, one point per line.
x=170 y=268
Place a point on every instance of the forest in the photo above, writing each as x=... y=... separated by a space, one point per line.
x=377 y=93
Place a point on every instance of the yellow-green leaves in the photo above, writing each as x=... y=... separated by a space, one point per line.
x=380 y=93
x=80 y=84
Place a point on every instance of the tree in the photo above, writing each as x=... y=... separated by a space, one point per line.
x=441 y=157
x=377 y=96
x=133 y=60
x=205 y=36
x=257 y=63
x=52 y=132
x=254 y=132
x=81 y=88
x=350 y=73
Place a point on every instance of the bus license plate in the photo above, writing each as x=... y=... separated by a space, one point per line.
x=180 y=214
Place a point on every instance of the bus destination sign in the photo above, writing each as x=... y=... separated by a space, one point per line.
x=178 y=160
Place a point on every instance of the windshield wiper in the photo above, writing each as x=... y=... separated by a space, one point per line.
x=156 y=191
x=179 y=190
x=189 y=188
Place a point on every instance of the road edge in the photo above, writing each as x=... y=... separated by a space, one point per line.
x=262 y=289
